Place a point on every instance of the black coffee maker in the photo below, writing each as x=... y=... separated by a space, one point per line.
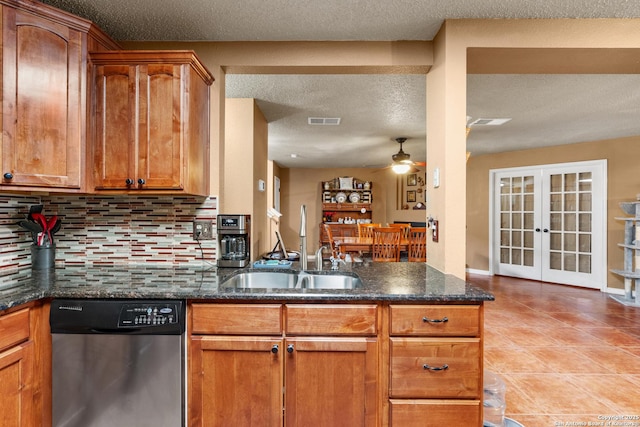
x=234 y=238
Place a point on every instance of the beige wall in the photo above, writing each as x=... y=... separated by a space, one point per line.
x=623 y=184
x=245 y=161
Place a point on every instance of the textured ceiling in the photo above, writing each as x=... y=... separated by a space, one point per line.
x=545 y=109
x=279 y=20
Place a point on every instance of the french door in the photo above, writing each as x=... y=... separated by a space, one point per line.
x=549 y=223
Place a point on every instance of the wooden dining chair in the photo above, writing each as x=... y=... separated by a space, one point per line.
x=405 y=228
x=418 y=244
x=366 y=229
x=386 y=244
x=335 y=251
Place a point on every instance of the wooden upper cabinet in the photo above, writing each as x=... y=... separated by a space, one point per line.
x=42 y=102
x=151 y=122
x=44 y=84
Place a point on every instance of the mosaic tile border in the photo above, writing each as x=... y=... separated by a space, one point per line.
x=111 y=230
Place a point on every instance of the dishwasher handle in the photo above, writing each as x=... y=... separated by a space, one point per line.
x=119 y=331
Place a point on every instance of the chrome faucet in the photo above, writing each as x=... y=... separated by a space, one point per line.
x=303 y=237
x=319 y=257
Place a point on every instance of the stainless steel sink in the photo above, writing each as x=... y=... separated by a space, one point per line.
x=292 y=280
x=261 y=279
x=331 y=281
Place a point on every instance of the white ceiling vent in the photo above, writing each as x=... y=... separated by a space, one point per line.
x=324 y=121
x=489 y=122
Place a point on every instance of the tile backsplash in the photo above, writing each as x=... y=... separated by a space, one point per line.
x=109 y=230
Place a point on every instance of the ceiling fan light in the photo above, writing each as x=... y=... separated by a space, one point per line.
x=401 y=167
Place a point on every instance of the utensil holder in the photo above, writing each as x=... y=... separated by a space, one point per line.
x=43 y=257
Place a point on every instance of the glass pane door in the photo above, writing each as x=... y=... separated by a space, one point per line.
x=549 y=223
x=573 y=242
x=517 y=208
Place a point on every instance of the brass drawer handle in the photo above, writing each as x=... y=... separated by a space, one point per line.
x=435 y=368
x=425 y=319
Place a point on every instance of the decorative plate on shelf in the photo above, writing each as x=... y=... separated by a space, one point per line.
x=354 y=197
x=341 y=197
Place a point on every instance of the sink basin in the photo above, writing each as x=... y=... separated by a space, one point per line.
x=292 y=280
x=262 y=279
x=333 y=281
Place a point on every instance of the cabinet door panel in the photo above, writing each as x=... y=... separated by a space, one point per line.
x=114 y=142
x=16 y=391
x=435 y=413
x=331 y=382
x=42 y=101
x=416 y=368
x=235 y=381
x=160 y=126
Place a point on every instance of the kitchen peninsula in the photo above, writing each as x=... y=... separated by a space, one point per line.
x=408 y=341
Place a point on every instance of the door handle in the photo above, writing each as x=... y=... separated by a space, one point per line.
x=537 y=230
x=546 y=230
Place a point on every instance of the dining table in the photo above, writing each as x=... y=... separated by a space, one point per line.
x=351 y=244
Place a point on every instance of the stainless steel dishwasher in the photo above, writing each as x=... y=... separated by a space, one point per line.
x=118 y=363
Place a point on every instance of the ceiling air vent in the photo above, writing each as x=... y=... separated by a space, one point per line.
x=489 y=122
x=324 y=121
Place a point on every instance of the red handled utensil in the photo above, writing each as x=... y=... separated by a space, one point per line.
x=50 y=224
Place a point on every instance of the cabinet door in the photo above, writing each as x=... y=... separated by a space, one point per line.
x=331 y=382
x=138 y=130
x=235 y=381
x=114 y=140
x=43 y=102
x=160 y=125
x=16 y=388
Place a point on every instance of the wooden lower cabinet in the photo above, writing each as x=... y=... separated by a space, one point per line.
x=23 y=369
x=235 y=381
x=331 y=382
x=307 y=365
x=435 y=365
x=16 y=386
x=252 y=380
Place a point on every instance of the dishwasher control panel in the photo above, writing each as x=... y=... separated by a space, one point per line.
x=148 y=314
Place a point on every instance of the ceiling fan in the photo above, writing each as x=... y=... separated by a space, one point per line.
x=402 y=161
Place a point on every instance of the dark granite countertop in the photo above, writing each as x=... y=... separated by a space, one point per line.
x=395 y=282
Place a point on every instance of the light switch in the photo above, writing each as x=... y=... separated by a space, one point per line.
x=436 y=178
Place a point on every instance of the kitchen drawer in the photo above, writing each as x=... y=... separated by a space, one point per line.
x=331 y=319
x=435 y=413
x=14 y=328
x=435 y=320
x=417 y=368
x=236 y=319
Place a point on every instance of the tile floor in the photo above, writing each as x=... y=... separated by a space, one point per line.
x=568 y=355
